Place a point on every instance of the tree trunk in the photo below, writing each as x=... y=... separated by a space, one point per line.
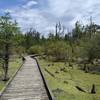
x=86 y=69
x=6 y=62
x=93 y=90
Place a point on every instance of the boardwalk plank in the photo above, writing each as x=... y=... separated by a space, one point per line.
x=27 y=84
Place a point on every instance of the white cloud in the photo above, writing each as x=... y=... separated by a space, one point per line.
x=30 y=4
x=67 y=11
x=30 y=18
x=78 y=9
x=58 y=7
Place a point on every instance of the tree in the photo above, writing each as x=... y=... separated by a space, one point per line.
x=36 y=49
x=59 y=31
x=94 y=48
x=58 y=50
x=51 y=36
x=32 y=37
x=91 y=29
x=7 y=30
x=77 y=31
x=89 y=51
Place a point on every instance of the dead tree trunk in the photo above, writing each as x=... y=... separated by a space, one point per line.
x=93 y=90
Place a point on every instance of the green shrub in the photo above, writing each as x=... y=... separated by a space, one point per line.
x=58 y=50
x=37 y=49
x=19 y=50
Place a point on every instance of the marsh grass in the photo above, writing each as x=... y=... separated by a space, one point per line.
x=14 y=64
x=64 y=84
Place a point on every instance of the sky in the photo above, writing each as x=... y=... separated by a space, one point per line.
x=44 y=14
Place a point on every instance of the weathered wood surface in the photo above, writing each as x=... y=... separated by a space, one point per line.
x=27 y=84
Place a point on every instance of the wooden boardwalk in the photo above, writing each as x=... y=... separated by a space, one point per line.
x=27 y=84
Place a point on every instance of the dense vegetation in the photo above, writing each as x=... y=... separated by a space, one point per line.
x=80 y=46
